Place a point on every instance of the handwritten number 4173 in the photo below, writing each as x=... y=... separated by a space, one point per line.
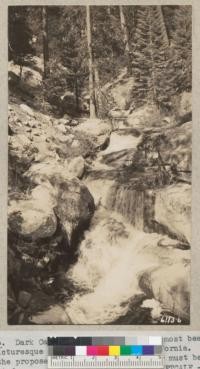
x=168 y=319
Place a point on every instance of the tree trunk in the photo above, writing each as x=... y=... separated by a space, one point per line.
x=76 y=93
x=90 y=62
x=97 y=87
x=125 y=38
x=45 y=41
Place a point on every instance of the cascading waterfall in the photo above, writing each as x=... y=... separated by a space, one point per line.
x=116 y=253
x=129 y=203
x=111 y=257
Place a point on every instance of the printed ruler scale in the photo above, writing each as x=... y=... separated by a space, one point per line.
x=61 y=362
x=105 y=352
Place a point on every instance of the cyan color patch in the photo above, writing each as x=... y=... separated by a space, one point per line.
x=136 y=350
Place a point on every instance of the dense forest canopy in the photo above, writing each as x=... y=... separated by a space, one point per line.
x=153 y=43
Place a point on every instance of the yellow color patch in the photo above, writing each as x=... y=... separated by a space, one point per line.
x=114 y=350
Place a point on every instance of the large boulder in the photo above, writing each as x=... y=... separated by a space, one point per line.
x=122 y=92
x=120 y=142
x=121 y=149
x=45 y=152
x=27 y=109
x=75 y=207
x=76 y=167
x=24 y=299
x=143 y=117
x=61 y=128
x=173 y=210
x=33 y=217
x=20 y=146
x=21 y=155
x=50 y=170
x=176 y=148
x=55 y=171
x=170 y=285
x=97 y=129
x=119 y=91
x=55 y=314
x=100 y=189
x=31 y=78
x=185 y=107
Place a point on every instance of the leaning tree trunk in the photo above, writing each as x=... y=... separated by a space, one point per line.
x=45 y=41
x=125 y=38
x=90 y=62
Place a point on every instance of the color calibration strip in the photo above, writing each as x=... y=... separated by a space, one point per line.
x=104 y=346
x=104 y=350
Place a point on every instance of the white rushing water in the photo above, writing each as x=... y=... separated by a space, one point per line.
x=111 y=258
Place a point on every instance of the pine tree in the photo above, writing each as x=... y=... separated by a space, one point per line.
x=161 y=59
x=183 y=46
x=142 y=62
x=74 y=54
x=160 y=21
x=90 y=46
x=179 y=24
x=108 y=51
x=107 y=42
x=20 y=36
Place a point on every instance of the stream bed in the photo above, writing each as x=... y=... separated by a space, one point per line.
x=121 y=247
x=125 y=267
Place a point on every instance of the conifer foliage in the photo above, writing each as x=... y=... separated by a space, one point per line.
x=161 y=55
x=153 y=43
x=20 y=36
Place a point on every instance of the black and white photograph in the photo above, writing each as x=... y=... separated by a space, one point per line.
x=99 y=164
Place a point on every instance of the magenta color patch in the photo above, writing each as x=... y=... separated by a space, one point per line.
x=91 y=350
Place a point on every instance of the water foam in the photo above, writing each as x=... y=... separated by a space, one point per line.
x=110 y=260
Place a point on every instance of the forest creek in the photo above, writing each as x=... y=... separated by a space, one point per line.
x=99 y=211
